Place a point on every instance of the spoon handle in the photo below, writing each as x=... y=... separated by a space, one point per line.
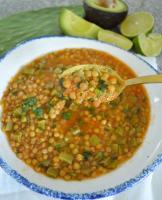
x=144 y=79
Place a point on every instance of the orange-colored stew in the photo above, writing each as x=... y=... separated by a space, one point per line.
x=61 y=139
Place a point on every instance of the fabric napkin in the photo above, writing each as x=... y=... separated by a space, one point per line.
x=149 y=189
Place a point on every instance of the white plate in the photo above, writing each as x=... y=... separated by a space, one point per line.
x=143 y=162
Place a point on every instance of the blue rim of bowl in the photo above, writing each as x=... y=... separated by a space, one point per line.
x=84 y=196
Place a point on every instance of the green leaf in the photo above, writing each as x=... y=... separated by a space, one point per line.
x=113 y=164
x=9 y=125
x=67 y=157
x=133 y=98
x=67 y=115
x=28 y=103
x=38 y=112
x=18 y=136
x=102 y=85
x=26 y=25
x=44 y=163
x=59 y=145
x=23 y=119
x=61 y=81
x=126 y=110
x=92 y=110
x=120 y=130
x=94 y=140
x=99 y=155
x=17 y=112
x=87 y=155
x=115 y=148
x=42 y=124
x=81 y=122
x=52 y=172
x=29 y=71
x=98 y=92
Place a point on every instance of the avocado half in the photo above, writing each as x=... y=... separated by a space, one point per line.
x=105 y=13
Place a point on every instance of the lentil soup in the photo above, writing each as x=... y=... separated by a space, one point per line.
x=63 y=139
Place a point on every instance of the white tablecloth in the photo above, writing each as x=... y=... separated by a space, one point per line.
x=149 y=189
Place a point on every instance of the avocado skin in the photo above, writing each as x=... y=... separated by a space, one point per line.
x=102 y=18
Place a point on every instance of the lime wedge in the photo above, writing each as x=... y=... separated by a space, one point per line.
x=137 y=23
x=115 y=38
x=150 y=45
x=73 y=25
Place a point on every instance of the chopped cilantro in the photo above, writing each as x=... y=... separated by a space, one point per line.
x=67 y=115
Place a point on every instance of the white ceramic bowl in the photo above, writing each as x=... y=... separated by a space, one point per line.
x=140 y=165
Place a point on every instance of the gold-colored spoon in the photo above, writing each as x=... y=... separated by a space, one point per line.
x=123 y=83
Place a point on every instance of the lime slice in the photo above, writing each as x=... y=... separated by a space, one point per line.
x=137 y=23
x=73 y=25
x=115 y=38
x=150 y=45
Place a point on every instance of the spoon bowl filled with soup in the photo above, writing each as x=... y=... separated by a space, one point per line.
x=60 y=137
